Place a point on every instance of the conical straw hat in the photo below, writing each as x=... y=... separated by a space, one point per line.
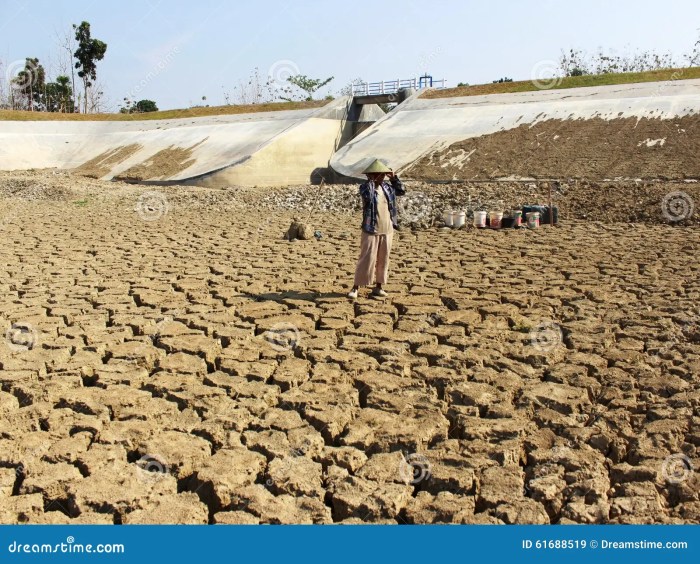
x=376 y=166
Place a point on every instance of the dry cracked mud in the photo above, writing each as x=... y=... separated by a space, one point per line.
x=166 y=357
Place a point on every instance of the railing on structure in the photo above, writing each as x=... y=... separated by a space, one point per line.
x=393 y=86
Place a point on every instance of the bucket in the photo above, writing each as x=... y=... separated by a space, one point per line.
x=495 y=219
x=533 y=220
x=459 y=218
x=480 y=219
x=447 y=217
x=544 y=213
x=517 y=218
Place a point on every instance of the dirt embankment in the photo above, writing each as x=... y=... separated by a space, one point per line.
x=102 y=164
x=593 y=149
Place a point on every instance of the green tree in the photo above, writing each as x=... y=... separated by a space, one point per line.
x=88 y=53
x=307 y=85
x=140 y=107
x=143 y=106
x=59 y=95
x=29 y=84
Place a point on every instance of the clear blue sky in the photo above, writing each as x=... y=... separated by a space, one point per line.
x=195 y=49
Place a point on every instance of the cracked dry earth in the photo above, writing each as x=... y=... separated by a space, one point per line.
x=198 y=369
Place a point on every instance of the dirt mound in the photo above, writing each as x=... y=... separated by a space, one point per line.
x=425 y=202
x=658 y=202
x=608 y=202
x=165 y=163
x=102 y=164
x=32 y=188
x=594 y=149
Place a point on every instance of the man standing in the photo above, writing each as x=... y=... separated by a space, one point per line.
x=379 y=218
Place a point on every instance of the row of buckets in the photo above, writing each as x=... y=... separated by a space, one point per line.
x=529 y=216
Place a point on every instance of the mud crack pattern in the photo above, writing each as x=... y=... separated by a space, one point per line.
x=153 y=391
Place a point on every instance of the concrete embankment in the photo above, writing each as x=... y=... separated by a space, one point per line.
x=270 y=148
x=422 y=128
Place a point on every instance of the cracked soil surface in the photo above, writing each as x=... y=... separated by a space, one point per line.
x=176 y=361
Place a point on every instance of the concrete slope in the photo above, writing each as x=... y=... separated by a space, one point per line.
x=421 y=126
x=180 y=150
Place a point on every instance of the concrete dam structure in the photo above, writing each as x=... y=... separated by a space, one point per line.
x=421 y=130
x=264 y=149
x=425 y=138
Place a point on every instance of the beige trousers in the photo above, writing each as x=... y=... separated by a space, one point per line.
x=374 y=259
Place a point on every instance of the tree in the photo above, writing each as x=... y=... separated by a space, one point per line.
x=59 y=95
x=96 y=99
x=258 y=89
x=140 y=107
x=574 y=63
x=693 y=58
x=3 y=95
x=29 y=83
x=88 y=53
x=144 y=106
x=127 y=107
x=578 y=63
x=502 y=80
x=305 y=84
x=67 y=47
x=347 y=90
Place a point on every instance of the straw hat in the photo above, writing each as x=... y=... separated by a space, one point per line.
x=375 y=167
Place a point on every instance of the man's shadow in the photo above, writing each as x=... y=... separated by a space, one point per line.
x=293 y=295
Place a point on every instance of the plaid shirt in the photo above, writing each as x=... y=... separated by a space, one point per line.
x=369 y=202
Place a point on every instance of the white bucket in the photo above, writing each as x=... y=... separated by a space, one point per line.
x=448 y=218
x=480 y=219
x=459 y=218
x=533 y=220
x=495 y=219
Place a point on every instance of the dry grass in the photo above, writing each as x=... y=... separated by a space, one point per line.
x=568 y=82
x=14 y=115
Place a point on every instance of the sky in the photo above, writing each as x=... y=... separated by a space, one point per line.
x=176 y=52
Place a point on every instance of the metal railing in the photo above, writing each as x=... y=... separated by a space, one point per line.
x=393 y=86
